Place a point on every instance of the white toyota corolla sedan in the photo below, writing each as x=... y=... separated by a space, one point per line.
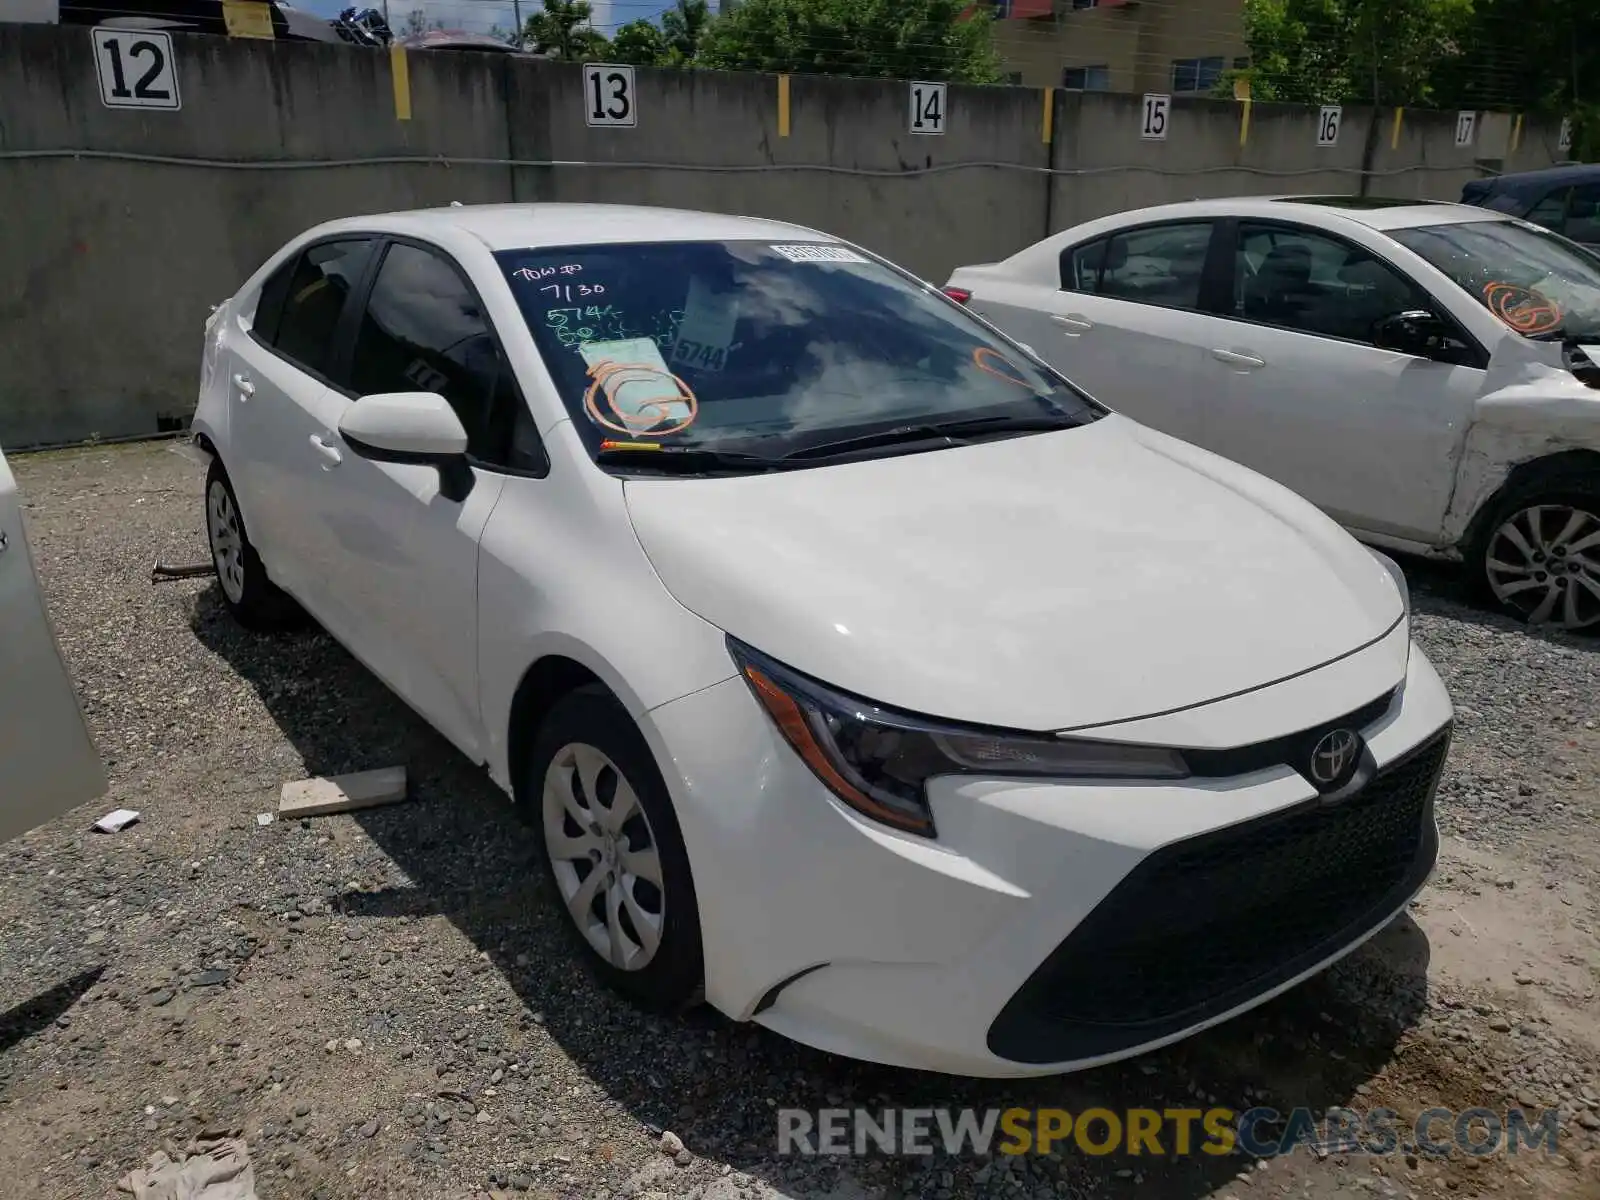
x=854 y=666
x=1425 y=373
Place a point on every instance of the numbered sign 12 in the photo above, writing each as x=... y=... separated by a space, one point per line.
x=608 y=95
x=136 y=69
x=1328 y=125
x=1466 y=126
x=1564 y=138
x=928 y=107
x=1157 y=109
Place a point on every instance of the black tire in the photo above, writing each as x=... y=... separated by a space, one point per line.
x=672 y=979
x=1575 y=490
x=249 y=596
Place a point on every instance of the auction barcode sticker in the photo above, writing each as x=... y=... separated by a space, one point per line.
x=819 y=252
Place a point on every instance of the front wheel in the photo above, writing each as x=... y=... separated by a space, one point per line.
x=614 y=851
x=1538 y=556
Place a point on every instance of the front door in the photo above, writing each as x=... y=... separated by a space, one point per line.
x=1366 y=434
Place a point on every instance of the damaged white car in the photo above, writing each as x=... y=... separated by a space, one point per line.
x=1425 y=373
x=48 y=762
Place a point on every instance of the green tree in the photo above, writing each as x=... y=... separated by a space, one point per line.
x=1352 y=51
x=683 y=26
x=901 y=39
x=640 y=43
x=563 y=31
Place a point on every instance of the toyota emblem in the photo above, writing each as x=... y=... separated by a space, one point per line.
x=1334 y=756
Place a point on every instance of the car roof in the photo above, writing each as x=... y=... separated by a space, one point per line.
x=1526 y=182
x=1329 y=212
x=535 y=226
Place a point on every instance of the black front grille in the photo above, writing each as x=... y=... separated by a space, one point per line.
x=1204 y=925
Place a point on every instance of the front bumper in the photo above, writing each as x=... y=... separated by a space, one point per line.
x=1052 y=926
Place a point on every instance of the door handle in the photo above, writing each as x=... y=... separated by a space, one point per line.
x=1235 y=359
x=246 y=388
x=1076 y=324
x=330 y=454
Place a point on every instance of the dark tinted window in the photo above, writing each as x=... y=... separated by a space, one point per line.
x=424 y=331
x=1583 y=215
x=1160 y=264
x=763 y=348
x=1550 y=212
x=321 y=280
x=1302 y=280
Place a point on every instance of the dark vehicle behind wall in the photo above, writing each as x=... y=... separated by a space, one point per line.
x=1565 y=200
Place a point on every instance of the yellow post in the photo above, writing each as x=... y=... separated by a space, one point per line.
x=1244 y=120
x=1049 y=113
x=1516 y=134
x=402 y=83
x=1394 y=136
x=783 y=106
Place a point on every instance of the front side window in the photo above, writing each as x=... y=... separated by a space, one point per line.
x=424 y=331
x=765 y=349
x=1159 y=264
x=1538 y=284
x=309 y=300
x=1302 y=280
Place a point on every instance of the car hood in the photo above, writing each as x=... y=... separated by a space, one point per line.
x=1041 y=582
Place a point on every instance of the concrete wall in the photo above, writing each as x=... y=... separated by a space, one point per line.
x=108 y=266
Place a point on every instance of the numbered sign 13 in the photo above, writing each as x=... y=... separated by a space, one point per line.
x=1157 y=109
x=1328 y=125
x=1466 y=126
x=928 y=107
x=608 y=95
x=136 y=69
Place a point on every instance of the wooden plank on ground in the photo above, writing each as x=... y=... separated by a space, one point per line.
x=322 y=796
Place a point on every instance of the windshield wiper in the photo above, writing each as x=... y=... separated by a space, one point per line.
x=932 y=431
x=689 y=460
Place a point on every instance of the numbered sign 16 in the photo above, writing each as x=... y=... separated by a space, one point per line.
x=1564 y=138
x=608 y=95
x=135 y=68
x=1466 y=126
x=1157 y=108
x=928 y=109
x=1328 y=125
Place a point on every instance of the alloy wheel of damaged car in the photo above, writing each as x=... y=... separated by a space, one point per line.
x=253 y=599
x=614 y=851
x=1542 y=562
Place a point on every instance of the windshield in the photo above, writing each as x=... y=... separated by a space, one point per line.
x=1539 y=284
x=765 y=349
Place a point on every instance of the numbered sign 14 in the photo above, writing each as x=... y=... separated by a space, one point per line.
x=608 y=95
x=1328 y=125
x=1157 y=109
x=928 y=107
x=1466 y=126
x=135 y=67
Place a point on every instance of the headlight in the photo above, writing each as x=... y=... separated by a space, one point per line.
x=878 y=761
x=1397 y=575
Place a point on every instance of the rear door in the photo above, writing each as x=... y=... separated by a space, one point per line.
x=1367 y=434
x=1127 y=322
x=48 y=762
x=280 y=363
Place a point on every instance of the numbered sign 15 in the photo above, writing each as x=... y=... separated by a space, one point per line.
x=135 y=68
x=1328 y=125
x=1157 y=109
x=608 y=95
x=1564 y=138
x=1466 y=126
x=928 y=107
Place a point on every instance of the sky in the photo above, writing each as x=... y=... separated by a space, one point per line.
x=479 y=16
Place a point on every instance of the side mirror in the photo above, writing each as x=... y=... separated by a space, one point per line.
x=1416 y=332
x=411 y=427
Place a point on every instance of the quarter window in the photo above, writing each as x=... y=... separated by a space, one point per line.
x=424 y=331
x=1301 y=280
x=303 y=304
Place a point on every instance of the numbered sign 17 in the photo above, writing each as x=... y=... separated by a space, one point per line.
x=135 y=67
x=1328 y=125
x=928 y=107
x=1153 y=123
x=1466 y=126
x=608 y=95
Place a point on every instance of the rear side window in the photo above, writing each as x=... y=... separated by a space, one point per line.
x=1583 y=215
x=309 y=300
x=1551 y=211
x=1159 y=264
x=424 y=330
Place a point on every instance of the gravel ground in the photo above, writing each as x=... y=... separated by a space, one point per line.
x=384 y=1004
